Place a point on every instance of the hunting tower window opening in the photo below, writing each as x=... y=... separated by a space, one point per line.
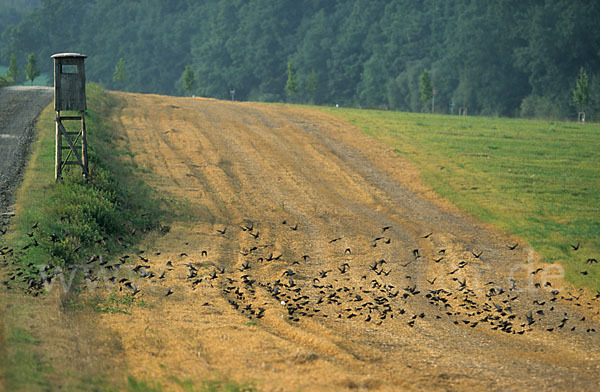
x=69 y=68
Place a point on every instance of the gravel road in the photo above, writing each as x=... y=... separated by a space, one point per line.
x=19 y=109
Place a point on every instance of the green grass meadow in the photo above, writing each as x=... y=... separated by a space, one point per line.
x=539 y=180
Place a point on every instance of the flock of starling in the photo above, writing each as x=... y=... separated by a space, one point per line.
x=374 y=294
x=370 y=291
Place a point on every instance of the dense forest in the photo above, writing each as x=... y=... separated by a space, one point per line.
x=12 y=11
x=503 y=57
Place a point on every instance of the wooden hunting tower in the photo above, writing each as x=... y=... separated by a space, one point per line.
x=69 y=95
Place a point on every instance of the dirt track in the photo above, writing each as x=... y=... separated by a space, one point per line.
x=299 y=194
x=19 y=107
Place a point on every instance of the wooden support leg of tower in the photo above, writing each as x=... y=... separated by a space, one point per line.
x=80 y=156
x=58 y=161
x=84 y=159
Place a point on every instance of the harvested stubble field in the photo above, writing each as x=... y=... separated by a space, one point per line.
x=306 y=256
x=306 y=301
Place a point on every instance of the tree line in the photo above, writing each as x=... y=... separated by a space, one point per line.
x=506 y=58
x=14 y=75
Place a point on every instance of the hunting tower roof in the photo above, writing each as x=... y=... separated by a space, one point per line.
x=60 y=55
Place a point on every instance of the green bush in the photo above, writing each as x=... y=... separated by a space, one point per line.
x=534 y=106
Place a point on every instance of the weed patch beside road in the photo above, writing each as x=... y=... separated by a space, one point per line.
x=64 y=223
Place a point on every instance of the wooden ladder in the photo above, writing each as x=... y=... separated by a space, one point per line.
x=78 y=151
